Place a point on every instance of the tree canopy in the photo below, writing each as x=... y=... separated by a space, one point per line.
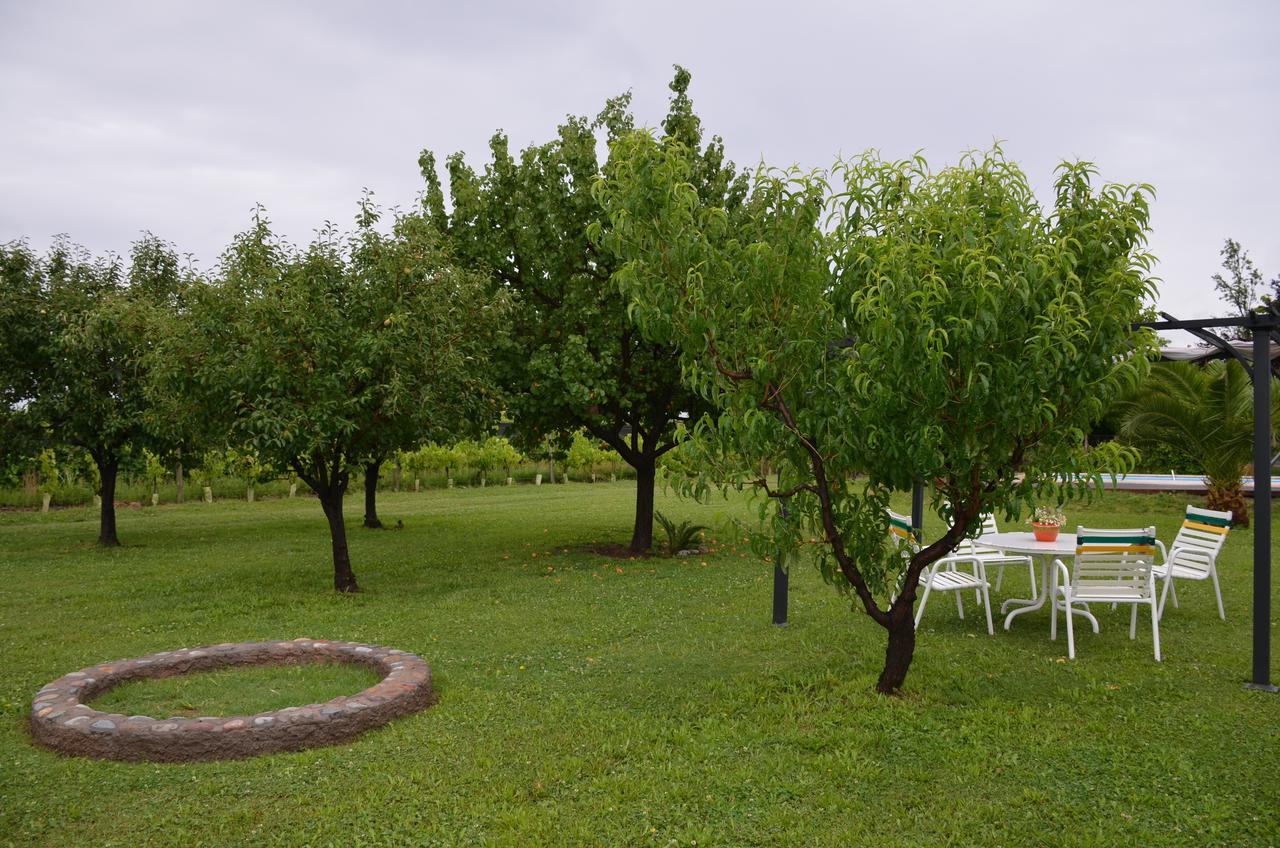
x=575 y=359
x=325 y=358
x=907 y=326
x=1239 y=288
x=22 y=339
x=79 y=335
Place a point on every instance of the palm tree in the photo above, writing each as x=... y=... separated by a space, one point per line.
x=1204 y=412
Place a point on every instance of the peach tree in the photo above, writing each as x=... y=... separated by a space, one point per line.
x=883 y=324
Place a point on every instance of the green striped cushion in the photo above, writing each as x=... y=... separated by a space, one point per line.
x=1208 y=517
x=1116 y=542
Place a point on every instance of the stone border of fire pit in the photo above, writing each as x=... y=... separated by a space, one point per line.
x=60 y=720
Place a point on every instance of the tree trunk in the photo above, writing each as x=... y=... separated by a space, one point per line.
x=177 y=478
x=1228 y=497
x=344 y=579
x=642 y=534
x=897 y=656
x=107 y=468
x=371 y=472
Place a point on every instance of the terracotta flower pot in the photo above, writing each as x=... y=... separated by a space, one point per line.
x=1045 y=532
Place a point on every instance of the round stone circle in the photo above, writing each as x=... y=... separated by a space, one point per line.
x=60 y=719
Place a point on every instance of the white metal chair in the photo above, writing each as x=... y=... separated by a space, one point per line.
x=995 y=557
x=1194 y=553
x=1111 y=566
x=943 y=576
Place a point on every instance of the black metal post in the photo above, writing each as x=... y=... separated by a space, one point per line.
x=781 y=580
x=1262 y=327
x=917 y=511
x=1261 y=510
x=780 y=587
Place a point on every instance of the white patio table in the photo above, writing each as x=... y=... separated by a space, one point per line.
x=1064 y=548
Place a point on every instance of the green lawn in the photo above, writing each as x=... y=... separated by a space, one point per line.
x=594 y=701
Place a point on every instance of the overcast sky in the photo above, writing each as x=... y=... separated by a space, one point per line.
x=176 y=118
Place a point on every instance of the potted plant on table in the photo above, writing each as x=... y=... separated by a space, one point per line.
x=1046 y=522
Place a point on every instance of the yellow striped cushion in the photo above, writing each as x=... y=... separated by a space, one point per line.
x=1115 y=549
x=1207 y=528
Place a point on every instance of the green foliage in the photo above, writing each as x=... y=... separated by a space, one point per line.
x=321 y=360
x=79 y=334
x=329 y=352
x=461 y=455
x=24 y=333
x=434 y=457
x=583 y=454
x=574 y=359
x=47 y=470
x=247 y=466
x=483 y=457
x=1164 y=458
x=156 y=470
x=212 y=467
x=505 y=454
x=908 y=325
x=104 y=322
x=1204 y=415
x=1239 y=288
x=680 y=537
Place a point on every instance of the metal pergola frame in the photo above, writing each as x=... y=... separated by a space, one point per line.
x=1264 y=328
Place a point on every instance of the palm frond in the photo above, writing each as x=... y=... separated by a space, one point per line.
x=1204 y=411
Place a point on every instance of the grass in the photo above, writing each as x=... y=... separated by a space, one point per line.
x=595 y=701
x=238 y=691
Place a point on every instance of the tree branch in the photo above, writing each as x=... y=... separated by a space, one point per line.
x=763 y=483
x=822 y=488
x=736 y=376
x=613 y=440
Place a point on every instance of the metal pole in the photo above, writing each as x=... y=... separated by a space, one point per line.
x=781 y=580
x=917 y=511
x=1261 y=510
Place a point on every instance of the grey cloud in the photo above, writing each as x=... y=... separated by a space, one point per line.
x=178 y=117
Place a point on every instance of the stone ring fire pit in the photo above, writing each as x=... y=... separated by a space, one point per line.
x=60 y=719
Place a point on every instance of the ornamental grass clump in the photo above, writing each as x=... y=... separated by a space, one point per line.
x=685 y=536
